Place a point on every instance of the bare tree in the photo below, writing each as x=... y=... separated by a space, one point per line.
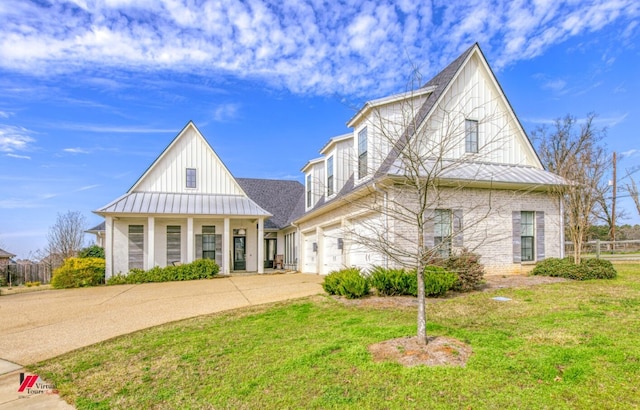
x=632 y=189
x=572 y=150
x=66 y=237
x=418 y=179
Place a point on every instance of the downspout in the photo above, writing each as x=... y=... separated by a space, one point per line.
x=298 y=267
x=386 y=220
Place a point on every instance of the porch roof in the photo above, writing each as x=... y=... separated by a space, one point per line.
x=183 y=204
x=487 y=172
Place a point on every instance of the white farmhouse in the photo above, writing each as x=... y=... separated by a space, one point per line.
x=488 y=192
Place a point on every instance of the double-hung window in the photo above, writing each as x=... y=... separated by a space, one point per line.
x=309 y=192
x=191 y=178
x=442 y=225
x=527 y=224
x=471 y=136
x=330 y=176
x=362 y=153
x=209 y=242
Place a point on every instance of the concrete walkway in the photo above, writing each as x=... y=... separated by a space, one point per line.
x=42 y=325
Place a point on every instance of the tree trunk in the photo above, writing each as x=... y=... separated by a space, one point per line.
x=422 y=312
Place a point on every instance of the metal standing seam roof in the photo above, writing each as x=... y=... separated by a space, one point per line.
x=491 y=172
x=183 y=204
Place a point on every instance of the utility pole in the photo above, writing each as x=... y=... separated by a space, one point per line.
x=613 y=203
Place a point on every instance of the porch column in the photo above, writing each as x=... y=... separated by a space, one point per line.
x=108 y=246
x=260 y=245
x=226 y=252
x=190 y=250
x=151 y=236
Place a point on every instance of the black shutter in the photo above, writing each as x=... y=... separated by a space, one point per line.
x=539 y=236
x=517 y=233
x=429 y=228
x=198 y=246
x=457 y=228
x=219 y=250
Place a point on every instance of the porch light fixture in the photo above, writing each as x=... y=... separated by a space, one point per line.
x=242 y=231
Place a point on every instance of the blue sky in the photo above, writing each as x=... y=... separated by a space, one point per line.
x=91 y=91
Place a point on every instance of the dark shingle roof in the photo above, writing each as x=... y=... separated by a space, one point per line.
x=440 y=81
x=99 y=227
x=5 y=254
x=284 y=199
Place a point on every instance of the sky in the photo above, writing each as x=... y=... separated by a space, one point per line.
x=92 y=91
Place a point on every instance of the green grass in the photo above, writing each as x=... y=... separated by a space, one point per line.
x=567 y=345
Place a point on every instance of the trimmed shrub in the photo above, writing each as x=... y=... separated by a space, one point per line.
x=393 y=282
x=199 y=269
x=467 y=266
x=79 y=272
x=396 y=282
x=599 y=269
x=566 y=268
x=347 y=282
x=93 y=251
x=438 y=281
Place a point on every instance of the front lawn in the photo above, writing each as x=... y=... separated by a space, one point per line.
x=566 y=345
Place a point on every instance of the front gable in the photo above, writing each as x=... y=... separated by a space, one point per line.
x=188 y=151
x=475 y=94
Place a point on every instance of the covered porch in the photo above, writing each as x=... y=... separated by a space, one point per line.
x=144 y=230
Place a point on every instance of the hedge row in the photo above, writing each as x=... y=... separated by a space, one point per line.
x=566 y=268
x=78 y=273
x=352 y=283
x=199 y=269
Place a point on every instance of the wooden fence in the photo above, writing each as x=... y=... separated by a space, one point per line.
x=30 y=272
x=618 y=250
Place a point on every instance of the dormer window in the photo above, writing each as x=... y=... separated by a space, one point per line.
x=330 y=176
x=471 y=136
x=362 y=153
x=191 y=178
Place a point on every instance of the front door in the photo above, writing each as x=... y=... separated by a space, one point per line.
x=269 y=252
x=239 y=261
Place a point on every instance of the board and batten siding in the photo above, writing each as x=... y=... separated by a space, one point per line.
x=168 y=173
x=474 y=95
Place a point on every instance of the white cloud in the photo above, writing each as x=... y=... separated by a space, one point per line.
x=101 y=128
x=77 y=151
x=5 y=114
x=226 y=112
x=18 y=156
x=305 y=46
x=14 y=138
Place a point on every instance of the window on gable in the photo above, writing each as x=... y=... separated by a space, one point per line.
x=191 y=177
x=309 y=191
x=362 y=153
x=136 y=247
x=173 y=244
x=471 y=136
x=442 y=225
x=330 y=176
x=527 y=221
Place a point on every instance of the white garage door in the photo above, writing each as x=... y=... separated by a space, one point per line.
x=365 y=232
x=331 y=257
x=310 y=264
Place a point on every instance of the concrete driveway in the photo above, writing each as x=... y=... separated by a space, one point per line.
x=41 y=325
